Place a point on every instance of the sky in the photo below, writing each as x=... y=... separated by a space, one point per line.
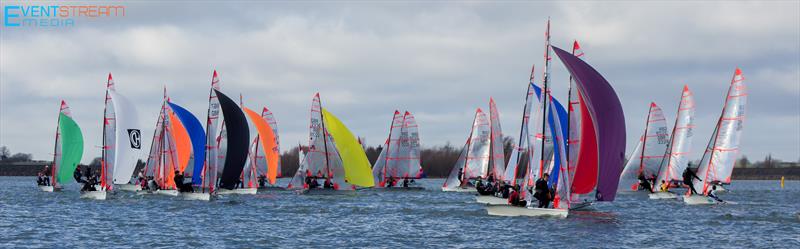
x=438 y=60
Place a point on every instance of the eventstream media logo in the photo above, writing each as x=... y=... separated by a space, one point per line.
x=34 y=16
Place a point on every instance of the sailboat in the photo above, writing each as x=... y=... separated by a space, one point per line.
x=236 y=144
x=334 y=154
x=121 y=143
x=672 y=166
x=163 y=158
x=649 y=153
x=603 y=113
x=264 y=155
x=399 y=158
x=717 y=163
x=204 y=181
x=474 y=158
x=67 y=151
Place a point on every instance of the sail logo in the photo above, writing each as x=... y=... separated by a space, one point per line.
x=135 y=137
x=56 y=15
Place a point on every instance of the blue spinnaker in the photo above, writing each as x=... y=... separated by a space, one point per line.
x=198 y=136
x=562 y=114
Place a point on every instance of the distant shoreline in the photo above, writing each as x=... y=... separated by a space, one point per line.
x=793 y=173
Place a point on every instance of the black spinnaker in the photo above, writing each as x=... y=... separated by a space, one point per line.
x=238 y=141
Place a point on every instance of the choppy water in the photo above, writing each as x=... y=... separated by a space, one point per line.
x=765 y=217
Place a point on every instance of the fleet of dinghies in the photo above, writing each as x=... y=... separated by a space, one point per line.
x=571 y=155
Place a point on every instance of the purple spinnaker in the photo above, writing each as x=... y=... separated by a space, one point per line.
x=609 y=122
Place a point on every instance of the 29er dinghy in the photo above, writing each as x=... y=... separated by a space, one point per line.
x=399 y=159
x=264 y=155
x=67 y=152
x=717 y=163
x=334 y=154
x=474 y=158
x=121 y=143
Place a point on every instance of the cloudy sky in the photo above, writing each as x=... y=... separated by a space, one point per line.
x=438 y=60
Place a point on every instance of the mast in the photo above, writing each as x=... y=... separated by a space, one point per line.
x=644 y=138
x=210 y=159
x=103 y=159
x=468 y=147
x=545 y=94
x=716 y=128
x=386 y=158
x=525 y=118
x=575 y=47
x=55 y=146
x=324 y=141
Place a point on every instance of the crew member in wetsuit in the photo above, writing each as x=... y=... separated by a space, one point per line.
x=542 y=191
x=688 y=175
x=405 y=183
x=505 y=190
x=327 y=184
x=262 y=181
x=479 y=186
x=645 y=183
x=513 y=198
x=664 y=186
x=713 y=194
x=77 y=174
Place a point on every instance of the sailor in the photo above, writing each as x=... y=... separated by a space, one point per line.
x=645 y=183
x=713 y=194
x=513 y=198
x=77 y=174
x=46 y=176
x=39 y=179
x=490 y=179
x=542 y=191
x=140 y=177
x=688 y=175
x=328 y=184
x=505 y=190
x=479 y=185
x=262 y=181
x=405 y=182
x=178 y=178
x=312 y=183
x=664 y=186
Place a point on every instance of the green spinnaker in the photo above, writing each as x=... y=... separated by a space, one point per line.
x=71 y=147
x=357 y=169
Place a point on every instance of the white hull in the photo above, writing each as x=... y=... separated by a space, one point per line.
x=490 y=200
x=461 y=190
x=581 y=205
x=168 y=192
x=238 y=191
x=49 y=189
x=128 y=187
x=513 y=211
x=663 y=195
x=145 y=192
x=94 y=195
x=196 y=196
x=698 y=200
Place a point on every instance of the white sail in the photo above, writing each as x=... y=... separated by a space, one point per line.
x=498 y=157
x=477 y=164
x=212 y=122
x=518 y=152
x=273 y=123
x=412 y=161
x=628 y=179
x=380 y=166
x=128 y=136
x=653 y=145
x=453 y=179
x=717 y=163
x=395 y=153
x=681 y=145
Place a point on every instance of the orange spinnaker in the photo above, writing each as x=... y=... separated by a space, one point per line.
x=183 y=145
x=268 y=143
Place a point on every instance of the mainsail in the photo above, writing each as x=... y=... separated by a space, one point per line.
x=387 y=164
x=238 y=136
x=498 y=157
x=517 y=153
x=649 y=152
x=412 y=143
x=212 y=121
x=681 y=140
x=717 y=163
x=68 y=147
x=474 y=158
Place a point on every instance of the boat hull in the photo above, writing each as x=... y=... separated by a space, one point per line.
x=662 y=195
x=698 y=200
x=128 y=187
x=404 y=188
x=490 y=200
x=238 y=191
x=460 y=190
x=513 y=211
x=196 y=196
x=49 y=189
x=94 y=195
x=168 y=192
x=271 y=188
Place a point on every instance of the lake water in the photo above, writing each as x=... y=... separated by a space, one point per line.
x=765 y=217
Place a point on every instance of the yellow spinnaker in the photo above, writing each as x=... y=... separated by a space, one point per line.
x=183 y=146
x=357 y=170
x=267 y=142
